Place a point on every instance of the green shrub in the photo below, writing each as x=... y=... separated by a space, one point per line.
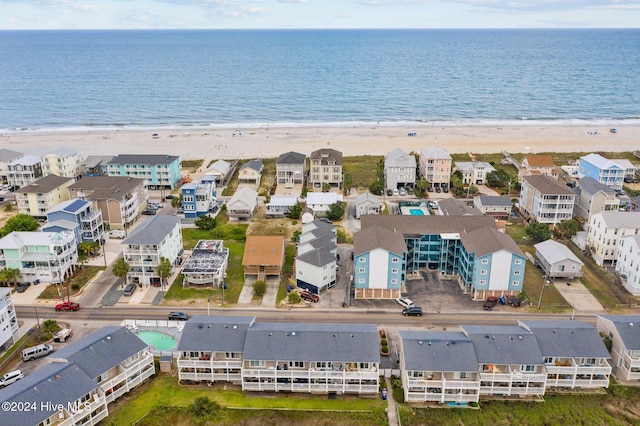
x=75 y=286
x=259 y=288
x=384 y=342
x=294 y=298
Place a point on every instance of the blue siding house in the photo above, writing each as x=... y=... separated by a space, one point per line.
x=82 y=217
x=603 y=170
x=159 y=171
x=379 y=263
x=198 y=198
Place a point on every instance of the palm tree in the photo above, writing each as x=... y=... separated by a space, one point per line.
x=10 y=275
x=164 y=270
x=120 y=268
x=86 y=248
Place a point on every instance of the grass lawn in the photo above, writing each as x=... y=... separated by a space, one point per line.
x=287 y=272
x=362 y=169
x=234 y=281
x=552 y=300
x=159 y=402
x=619 y=407
x=78 y=280
x=517 y=232
x=192 y=166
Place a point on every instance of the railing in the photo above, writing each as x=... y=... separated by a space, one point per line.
x=308 y=374
x=199 y=363
x=309 y=387
x=210 y=377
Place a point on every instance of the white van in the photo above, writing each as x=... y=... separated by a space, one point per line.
x=39 y=351
x=10 y=377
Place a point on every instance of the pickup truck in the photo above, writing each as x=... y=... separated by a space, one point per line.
x=67 y=306
x=62 y=335
x=309 y=297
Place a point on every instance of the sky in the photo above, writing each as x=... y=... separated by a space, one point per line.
x=298 y=14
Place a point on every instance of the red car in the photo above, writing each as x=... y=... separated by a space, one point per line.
x=309 y=297
x=67 y=306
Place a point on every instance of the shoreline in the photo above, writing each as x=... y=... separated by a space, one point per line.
x=352 y=140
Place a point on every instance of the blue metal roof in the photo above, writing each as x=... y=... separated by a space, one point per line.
x=76 y=205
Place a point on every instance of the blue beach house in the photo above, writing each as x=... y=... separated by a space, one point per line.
x=379 y=263
x=198 y=198
x=159 y=171
x=603 y=170
x=82 y=217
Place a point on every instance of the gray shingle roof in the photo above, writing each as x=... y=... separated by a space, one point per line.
x=548 y=185
x=427 y=225
x=592 y=186
x=489 y=200
x=318 y=257
x=291 y=158
x=628 y=327
x=399 y=158
x=438 y=351
x=312 y=342
x=107 y=187
x=326 y=155
x=152 y=230
x=44 y=185
x=57 y=383
x=253 y=164
x=101 y=350
x=374 y=237
x=454 y=207
x=504 y=345
x=7 y=155
x=328 y=241
x=553 y=251
x=488 y=240
x=215 y=333
x=367 y=197
x=567 y=339
x=150 y=159
x=614 y=219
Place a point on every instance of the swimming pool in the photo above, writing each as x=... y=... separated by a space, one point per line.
x=159 y=340
x=416 y=212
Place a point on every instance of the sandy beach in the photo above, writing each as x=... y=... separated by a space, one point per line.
x=270 y=142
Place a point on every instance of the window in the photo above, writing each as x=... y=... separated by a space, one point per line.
x=518 y=262
x=361 y=280
x=417 y=374
x=395 y=260
x=362 y=259
x=394 y=281
x=233 y=355
x=361 y=270
x=254 y=363
x=517 y=272
x=483 y=272
x=527 y=368
x=296 y=364
x=515 y=283
x=485 y=261
x=549 y=360
x=394 y=270
x=483 y=282
x=324 y=364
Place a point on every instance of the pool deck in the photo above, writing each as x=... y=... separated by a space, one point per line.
x=406 y=210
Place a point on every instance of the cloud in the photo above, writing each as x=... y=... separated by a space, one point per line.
x=513 y=5
x=292 y=1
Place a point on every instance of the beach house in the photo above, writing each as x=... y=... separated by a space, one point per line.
x=120 y=199
x=495 y=206
x=456 y=207
x=557 y=261
x=64 y=162
x=159 y=171
x=45 y=256
x=82 y=217
x=115 y=358
x=96 y=165
x=242 y=204
x=438 y=366
x=367 y=203
x=321 y=202
x=474 y=172
x=311 y=358
x=325 y=168
x=156 y=238
x=198 y=198
x=211 y=348
x=543 y=199
x=622 y=333
x=24 y=170
x=593 y=197
x=605 y=231
x=251 y=172
x=628 y=263
x=279 y=205
x=6 y=157
x=537 y=164
x=219 y=171
x=291 y=168
x=316 y=257
x=38 y=197
x=8 y=320
x=69 y=396
x=603 y=170
x=263 y=256
x=575 y=356
x=207 y=265
x=379 y=266
x=399 y=169
x=435 y=166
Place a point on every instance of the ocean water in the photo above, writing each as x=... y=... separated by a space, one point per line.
x=63 y=80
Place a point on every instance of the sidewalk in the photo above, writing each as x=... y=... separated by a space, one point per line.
x=392 y=414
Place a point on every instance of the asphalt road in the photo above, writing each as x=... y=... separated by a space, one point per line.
x=346 y=315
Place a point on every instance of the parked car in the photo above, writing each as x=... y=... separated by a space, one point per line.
x=62 y=335
x=414 y=311
x=490 y=303
x=430 y=189
x=67 y=306
x=309 y=296
x=403 y=192
x=117 y=233
x=11 y=377
x=395 y=192
x=325 y=220
x=515 y=301
x=178 y=316
x=389 y=192
x=1 y=199
x=438 y=189
x=445 y=189
x=171 y=197
x=23 y=287
x=405 y=302
x=149 y=212
x=409 y=190
x=129 y=289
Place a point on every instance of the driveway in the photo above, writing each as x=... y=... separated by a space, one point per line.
x=578 y=296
